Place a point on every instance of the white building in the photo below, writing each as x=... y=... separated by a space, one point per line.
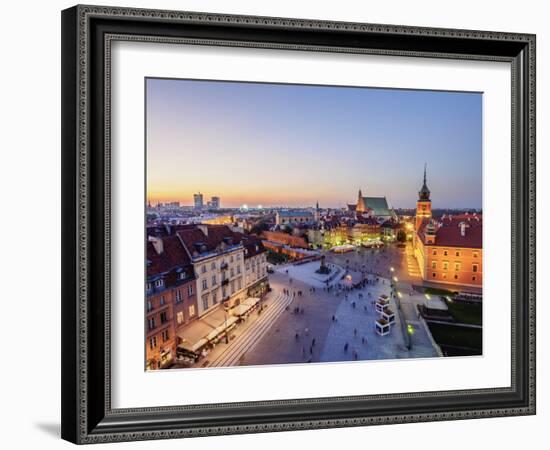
x=218 y=256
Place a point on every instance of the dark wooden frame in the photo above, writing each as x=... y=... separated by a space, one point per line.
x=87 y=416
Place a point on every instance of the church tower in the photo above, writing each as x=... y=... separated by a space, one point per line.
x=423 y=204
x=360 y=204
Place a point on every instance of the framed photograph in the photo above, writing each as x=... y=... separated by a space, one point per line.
x=278 y=224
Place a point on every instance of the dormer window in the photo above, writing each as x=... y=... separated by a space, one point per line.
x=159 y=283
x=149 y=286
x=181 y=276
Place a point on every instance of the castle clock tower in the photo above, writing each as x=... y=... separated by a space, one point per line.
x=424 y=204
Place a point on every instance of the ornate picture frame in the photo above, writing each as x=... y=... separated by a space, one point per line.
x=87 y=35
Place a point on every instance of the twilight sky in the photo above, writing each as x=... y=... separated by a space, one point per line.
x=292 y=145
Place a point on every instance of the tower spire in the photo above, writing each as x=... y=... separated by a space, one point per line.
x=425 y=164
x=424 y=193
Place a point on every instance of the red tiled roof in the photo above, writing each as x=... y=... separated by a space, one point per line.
x=448 y=232
x=173 y=256
x=216 y=234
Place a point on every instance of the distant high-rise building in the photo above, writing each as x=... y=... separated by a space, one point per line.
x=215 y=202
x=198 y=201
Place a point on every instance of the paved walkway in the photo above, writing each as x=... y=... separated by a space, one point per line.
x=291 y=338
x=251 y=335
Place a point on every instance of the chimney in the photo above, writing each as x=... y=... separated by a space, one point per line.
x=462 y=226
x=157 y=244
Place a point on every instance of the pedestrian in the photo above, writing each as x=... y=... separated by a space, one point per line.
x=355 y=331
x=346 y=347
x=296 y=336
x=313 y=342
x=311 y=350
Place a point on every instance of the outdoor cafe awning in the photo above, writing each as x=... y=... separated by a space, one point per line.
x=197 y=334
x=245 y=306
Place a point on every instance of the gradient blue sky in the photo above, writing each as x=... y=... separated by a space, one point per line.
x=294 y=145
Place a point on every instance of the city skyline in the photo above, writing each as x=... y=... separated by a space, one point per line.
x=296 y=145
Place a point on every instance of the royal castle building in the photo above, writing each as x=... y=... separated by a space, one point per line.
x=449 y=250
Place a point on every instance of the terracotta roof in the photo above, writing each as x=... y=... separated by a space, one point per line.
x=448 y=232
x=198 y=242
x=173 y=257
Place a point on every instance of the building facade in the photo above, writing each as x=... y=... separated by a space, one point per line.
x=255 y=265
x=171 y=300
x=375 y=207
x=217 y=256
x=449 y=251
x=198 y=201
x=294 y=217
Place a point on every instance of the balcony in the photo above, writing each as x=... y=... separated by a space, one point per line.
x=224 y=266
x=225 y=281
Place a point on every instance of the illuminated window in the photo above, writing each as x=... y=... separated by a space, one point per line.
x=434 y=265
x=179 y=317
x=457 y=267
x=191 y=310
x=153 y=342
x=445 y=265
